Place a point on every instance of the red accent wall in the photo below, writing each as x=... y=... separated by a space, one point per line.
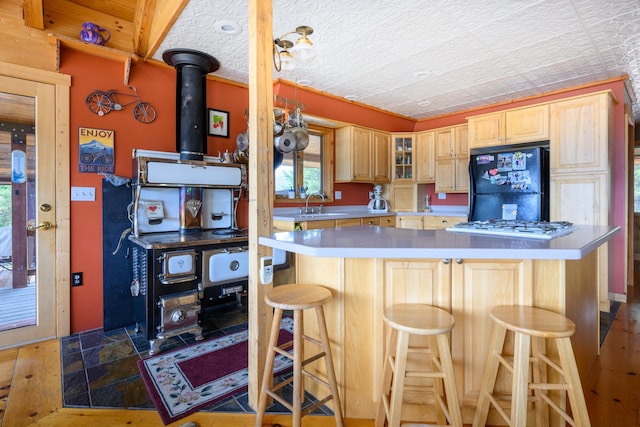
x=157 y=85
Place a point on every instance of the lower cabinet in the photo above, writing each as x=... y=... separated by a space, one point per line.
x=385 y=221
x=427 y=222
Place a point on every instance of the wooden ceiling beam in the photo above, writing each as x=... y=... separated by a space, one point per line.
x=33 y=13
x=152 y=22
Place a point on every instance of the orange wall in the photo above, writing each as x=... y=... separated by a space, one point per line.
x=157 y=85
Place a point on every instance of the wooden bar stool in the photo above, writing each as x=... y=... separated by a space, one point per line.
x=527 y=323
x=405 y=320
x=298 y=297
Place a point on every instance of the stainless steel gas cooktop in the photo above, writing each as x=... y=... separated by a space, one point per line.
x=514 y=228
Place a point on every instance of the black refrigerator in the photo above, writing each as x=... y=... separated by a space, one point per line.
x=509 y=183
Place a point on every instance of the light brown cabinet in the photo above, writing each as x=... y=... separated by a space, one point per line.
x=581 y=133
x=403 y=156
x=452 y=159
x=385 y=221
x=425 y=157
x=406 y=196
x=427 y=222
x=517 y=126
x=362 y=155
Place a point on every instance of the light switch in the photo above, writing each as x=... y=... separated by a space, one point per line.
x=83 y=194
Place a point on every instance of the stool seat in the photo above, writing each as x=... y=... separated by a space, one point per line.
x=533 y=321
x=297 y=296
x=419 y=319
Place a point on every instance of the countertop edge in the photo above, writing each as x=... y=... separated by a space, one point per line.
x=344 y=250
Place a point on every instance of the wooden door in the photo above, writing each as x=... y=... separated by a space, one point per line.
x=28 y=305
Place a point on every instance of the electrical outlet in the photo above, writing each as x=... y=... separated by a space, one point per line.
x=338 y=195
x=83 y=194
x=76 y=279
x=442 y=196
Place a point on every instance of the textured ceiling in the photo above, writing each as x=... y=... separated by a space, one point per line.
x=467 y=53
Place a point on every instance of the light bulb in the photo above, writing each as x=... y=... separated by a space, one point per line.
x=287 y=62
x=303 y=50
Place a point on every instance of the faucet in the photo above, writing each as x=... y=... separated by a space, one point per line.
x=306 y=205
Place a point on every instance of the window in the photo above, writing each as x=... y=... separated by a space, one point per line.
x=306 y=168
x=636 y=184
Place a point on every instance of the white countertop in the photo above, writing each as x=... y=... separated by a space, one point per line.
x=390 y=242
x=344 y=212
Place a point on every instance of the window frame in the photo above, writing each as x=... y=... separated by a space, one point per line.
x=327 y=166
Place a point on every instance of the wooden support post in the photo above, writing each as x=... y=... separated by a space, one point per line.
x=261 y=189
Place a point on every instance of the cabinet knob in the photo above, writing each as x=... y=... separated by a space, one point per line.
x=459 y=261
x=444 y=221
x=446 y=260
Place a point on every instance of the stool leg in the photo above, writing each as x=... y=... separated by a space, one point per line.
x=489 y=377
x=438 y=383
x=387 y=372
x=539 y=374
x=298 y=354
x=520 y=380
x=328 y=360
x=570 y=370
x=267 y=375
x=449 y=381
x=397 y=388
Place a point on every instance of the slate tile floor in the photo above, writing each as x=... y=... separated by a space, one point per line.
x=99 y=369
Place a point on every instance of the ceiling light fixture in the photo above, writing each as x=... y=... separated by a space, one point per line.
x=286 y=54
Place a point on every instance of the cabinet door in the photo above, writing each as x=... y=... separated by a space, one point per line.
x=462 y=175
x=403 y=197
x=348 y=222
x=477 y=287
x=417 y=281
x=446 y=175
x=527 y=124
x=403 y=157
x=486 y=130
x=461 y=140
x=313 y=225
x=439 y=222
x=444 y=140
x=381 y=163
x=412 y=222
x=580 y=198
x=580 y=134
x=425 y=157
x=362 y=154
x=388 y=221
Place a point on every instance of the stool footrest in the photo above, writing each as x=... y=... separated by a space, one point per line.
x=312 y=340
x=313 y=358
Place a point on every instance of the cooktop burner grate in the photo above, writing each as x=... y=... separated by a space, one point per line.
x=534 y=229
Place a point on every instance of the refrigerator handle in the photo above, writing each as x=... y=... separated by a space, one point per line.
x=472 y=191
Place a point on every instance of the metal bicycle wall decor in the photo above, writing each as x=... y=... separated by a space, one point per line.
x=103 y=102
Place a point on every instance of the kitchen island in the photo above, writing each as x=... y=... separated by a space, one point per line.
x=369 y=268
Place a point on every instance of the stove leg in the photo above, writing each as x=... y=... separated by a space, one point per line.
x=239 y=300
x=154 y=346
x=198 y=334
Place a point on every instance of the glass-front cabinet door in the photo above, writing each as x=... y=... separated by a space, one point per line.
x=403 y=145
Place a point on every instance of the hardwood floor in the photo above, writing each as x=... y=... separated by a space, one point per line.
x=30 y=387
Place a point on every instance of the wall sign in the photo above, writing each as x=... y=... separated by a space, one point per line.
x=96 y=150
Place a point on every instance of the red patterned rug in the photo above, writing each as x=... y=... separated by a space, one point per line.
x=184 y=381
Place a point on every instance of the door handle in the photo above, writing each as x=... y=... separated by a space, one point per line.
x=45 y=225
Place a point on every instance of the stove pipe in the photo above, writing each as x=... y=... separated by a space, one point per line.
x=191 y=101
x=191 y=123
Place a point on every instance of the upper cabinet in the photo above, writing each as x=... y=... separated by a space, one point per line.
x=581 y=129
x=425 y=157
x=452 y=159
x=403 y=144
x=508 y=127
x=362 y=155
